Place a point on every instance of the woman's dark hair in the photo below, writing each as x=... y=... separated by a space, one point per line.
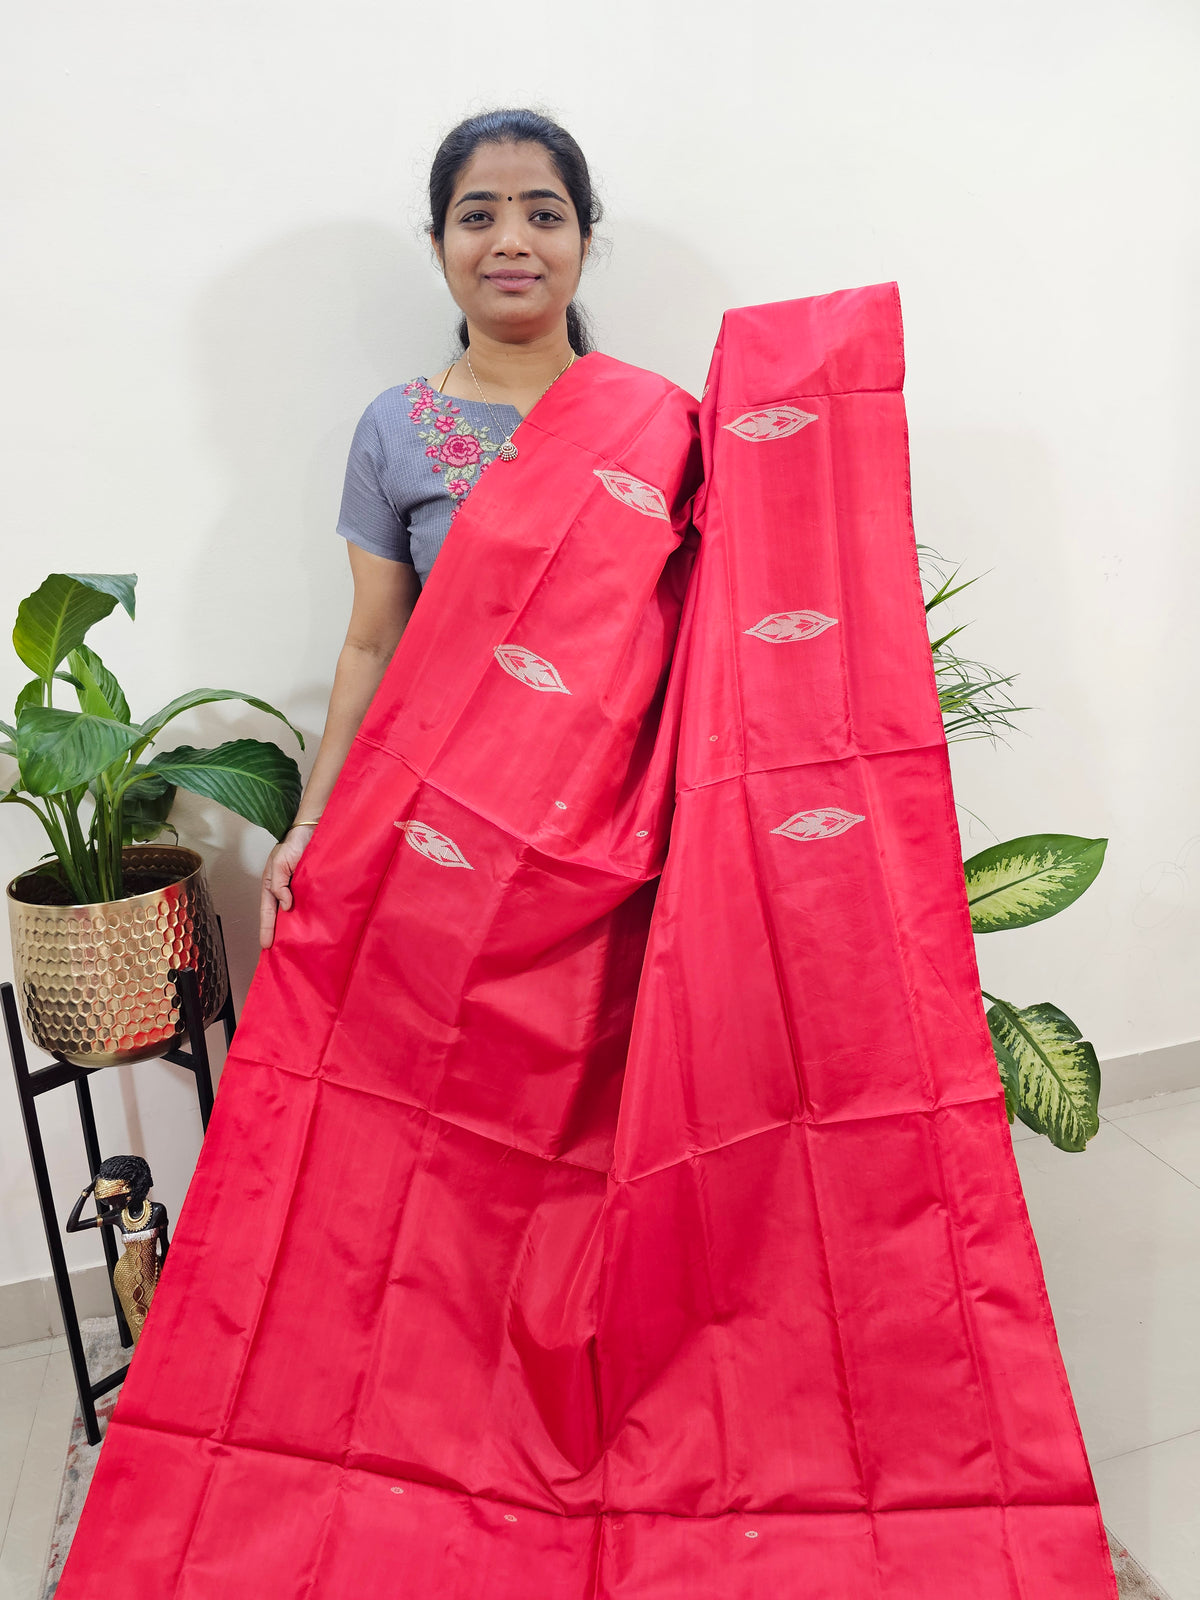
x=516 y=126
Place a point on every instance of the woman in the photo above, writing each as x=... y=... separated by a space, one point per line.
x=609 y=1194
x=512 y=213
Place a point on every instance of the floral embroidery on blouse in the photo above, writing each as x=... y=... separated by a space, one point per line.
x=453 y=446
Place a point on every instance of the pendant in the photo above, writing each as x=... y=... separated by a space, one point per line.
x=507 y=451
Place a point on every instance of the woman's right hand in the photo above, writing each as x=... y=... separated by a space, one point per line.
x=277 y=878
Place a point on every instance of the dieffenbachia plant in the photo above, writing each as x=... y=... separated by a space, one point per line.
x=1049 y=1070
x=100 y=755
x=1050 y=1073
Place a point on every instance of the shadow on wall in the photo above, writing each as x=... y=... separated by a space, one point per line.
x=656 y=303
x=994 y=503
x=287 y=347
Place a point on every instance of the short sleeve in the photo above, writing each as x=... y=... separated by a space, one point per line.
x=367 y=516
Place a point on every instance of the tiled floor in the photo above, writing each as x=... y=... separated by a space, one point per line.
x=1118 y=1228
x=37 y=1402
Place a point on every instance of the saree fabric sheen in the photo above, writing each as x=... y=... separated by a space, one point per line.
x=609 y=1194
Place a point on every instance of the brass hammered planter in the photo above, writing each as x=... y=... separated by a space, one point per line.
x=93 y=981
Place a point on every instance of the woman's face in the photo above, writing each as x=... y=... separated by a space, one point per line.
x=512 y=252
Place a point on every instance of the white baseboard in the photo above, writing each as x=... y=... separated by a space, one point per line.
x=1150 y=1072
x=30 y=1310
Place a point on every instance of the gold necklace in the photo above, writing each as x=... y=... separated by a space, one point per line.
x=508 y=450
x=137 y=1222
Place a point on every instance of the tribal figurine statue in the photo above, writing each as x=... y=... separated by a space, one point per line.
x=122 y=1190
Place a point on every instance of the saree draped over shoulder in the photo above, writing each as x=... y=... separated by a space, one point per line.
x=609 y=1194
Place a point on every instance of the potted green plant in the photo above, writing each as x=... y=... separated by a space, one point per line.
x=99 y=924
x=1050 y=1072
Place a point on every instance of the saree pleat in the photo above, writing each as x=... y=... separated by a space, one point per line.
x=609 y=1194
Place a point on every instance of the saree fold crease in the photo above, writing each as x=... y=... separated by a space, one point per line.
x=609 y=1194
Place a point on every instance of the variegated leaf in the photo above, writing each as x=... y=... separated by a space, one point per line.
x=435 y=846
x=1058 y=1075
x=782 y=627
x=631 y=491
x=1010 y=1076
x=529 y=668
x=824 y=823
x=1029 y=879
x=770 y=422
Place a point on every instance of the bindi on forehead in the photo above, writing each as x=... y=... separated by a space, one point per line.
x=525 y=194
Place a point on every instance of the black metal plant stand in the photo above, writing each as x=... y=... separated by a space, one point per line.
x=31 y=1084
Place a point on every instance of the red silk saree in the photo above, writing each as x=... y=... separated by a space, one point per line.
x=609 y=1194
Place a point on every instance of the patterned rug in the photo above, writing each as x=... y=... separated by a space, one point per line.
x=104 y=1354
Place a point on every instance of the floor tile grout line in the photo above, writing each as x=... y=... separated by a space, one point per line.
x=25 y=1455
x=1153 y=1444
x=44 y=1559
x=1160 y=1159
x=1167 y=1102
x=15 y=1361
x=1117 y=1113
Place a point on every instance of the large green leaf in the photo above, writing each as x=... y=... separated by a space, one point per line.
x=249 y=776
x=120 y=585
x=99 y=692
x=1029 y=879
x=1058 y=1075
x=61 y=750
x=145 y=806
x=30 y=695
x=53 y=620
x=201 y=697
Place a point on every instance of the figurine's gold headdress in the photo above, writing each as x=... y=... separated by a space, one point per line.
x=104 y=1187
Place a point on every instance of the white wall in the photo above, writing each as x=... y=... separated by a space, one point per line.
x=219 y=261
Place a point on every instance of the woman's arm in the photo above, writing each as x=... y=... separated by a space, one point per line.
x=384 y=595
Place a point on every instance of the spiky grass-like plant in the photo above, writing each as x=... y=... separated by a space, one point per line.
x=974 y=698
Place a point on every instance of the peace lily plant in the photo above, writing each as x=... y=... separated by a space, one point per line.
x=96 y=756
x=1050 y=1073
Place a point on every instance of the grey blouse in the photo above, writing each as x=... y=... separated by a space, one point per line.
x=414 y=458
